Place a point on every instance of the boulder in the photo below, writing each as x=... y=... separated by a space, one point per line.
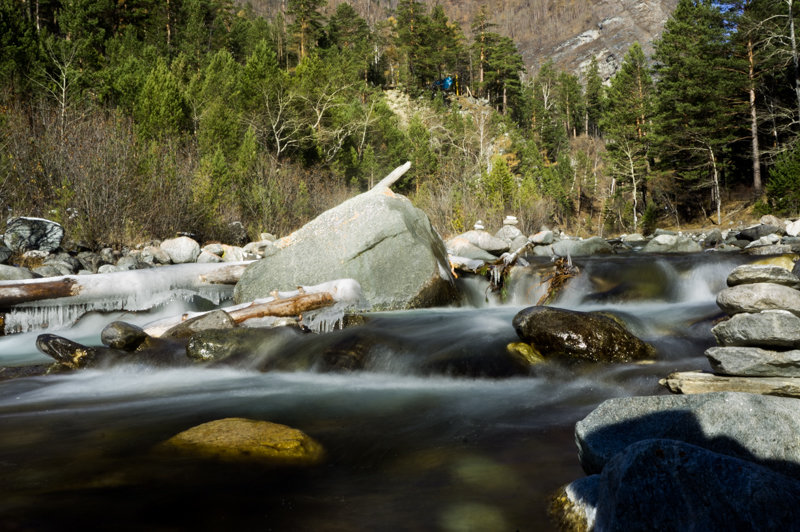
x=23 y=234
x=773 y=249
x=768 y=240
x=155 y=255
x=12 y=273
x=754 y=362
x=485 y=241
x=756 y=297
x=755 y=232
x=234 y=254
x=575 y=248
x=758 y=273
x=662 y=484
x=181 y=250
x=205 y=257
x=770 y=328
x=378 y=238
x=242 y=440
x=543 y=237
x=578 y=336
x=508 y=233
x=216 y=319
x=793 y=228
x=461 y=247
x=671 y=243
x=122 y=335
x=713 y=238
x=48 y=270
x=5 y=254
x=771 y=219
x=758 y=428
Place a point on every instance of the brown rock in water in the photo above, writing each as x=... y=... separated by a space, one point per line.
x=216 y=319
x=578 y=336
x=122 y=335
x=246 y=440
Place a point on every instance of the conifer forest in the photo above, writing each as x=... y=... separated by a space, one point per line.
x=133 y=119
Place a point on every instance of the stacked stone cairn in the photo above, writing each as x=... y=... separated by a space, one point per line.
x=759 y=345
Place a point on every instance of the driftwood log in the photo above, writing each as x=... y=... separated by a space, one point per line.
x=283 y=308
x=693 y=382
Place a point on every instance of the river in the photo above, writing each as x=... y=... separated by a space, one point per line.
x=409 y=448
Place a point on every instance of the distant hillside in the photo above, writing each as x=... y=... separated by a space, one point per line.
x=568 y=31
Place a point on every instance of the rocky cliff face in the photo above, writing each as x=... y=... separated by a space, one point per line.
x=568 y=31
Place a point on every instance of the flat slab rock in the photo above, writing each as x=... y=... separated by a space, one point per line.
x=661 y=484
x=697 y=382
x=754 y=362
x=762 y=273
x=756 y=297
x=770 y=328
x=756 y=428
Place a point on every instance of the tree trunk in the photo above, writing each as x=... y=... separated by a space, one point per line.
x=715 y=191
x=635 y=192
x=795 y=59
x=754 y=121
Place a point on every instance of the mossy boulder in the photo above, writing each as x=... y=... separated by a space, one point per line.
x=572 y=336
x=241 y=440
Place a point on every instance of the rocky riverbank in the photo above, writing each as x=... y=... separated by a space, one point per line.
x=725 y=455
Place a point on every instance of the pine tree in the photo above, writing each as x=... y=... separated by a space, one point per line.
x=626 y=125
x=695 y=95
x=307 y=25
x=594 y=98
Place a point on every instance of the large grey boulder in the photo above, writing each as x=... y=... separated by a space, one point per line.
x=573 y=336
x=762 y=273
x=770 y=328
x=23 y=234
x=575 y=248
x=661 y=484
x=752 y=427
x=378 y=238
x=755 y=232
x=181 y=250
x=756 y=297
x=666 y=243
x=754 y=362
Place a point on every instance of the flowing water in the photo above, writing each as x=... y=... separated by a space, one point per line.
x=409 y=447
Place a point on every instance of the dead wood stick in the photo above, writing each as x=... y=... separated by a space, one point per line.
x=283 y=308
x=393 y=176
x=229 y=275
x=12 y=294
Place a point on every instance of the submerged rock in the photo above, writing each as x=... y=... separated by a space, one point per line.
x=216 y=319
x=378 y=238
x=578 y=336
x=663 y=484
x=242 y=345
x=67 y=352
x=757 y=428
x=247 y=441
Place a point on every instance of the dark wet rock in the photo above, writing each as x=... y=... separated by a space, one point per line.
x=5 y=254
x=122 y=335
x=713 y=238
x=23 y=234
x=757 y=273
x=589 y=246
x=242 y=346
x=378 y=238
x=754 y=362
x=770 y=328
x=216 y=319
x=20 y=372
x=757 y=231
x=756 y=297
x=463 y=361
x=758 y=428
x=246 y=441
x=662 y=484
x=91 y=261
x=67 y=352
x=578 y=336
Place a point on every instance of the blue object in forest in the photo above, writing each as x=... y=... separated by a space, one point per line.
x=444 y=84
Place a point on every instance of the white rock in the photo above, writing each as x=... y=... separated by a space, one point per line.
x=181 y=250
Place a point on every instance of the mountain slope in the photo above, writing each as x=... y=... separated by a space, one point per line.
x=568 y=31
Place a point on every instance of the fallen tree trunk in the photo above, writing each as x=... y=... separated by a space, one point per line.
x=117 y=284
x=283 y=308
x=693 y=382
